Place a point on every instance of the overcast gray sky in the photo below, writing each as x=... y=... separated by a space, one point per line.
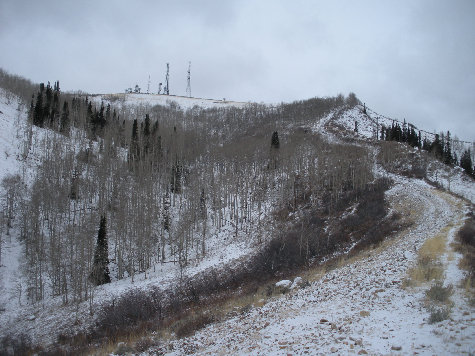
x=404 y=58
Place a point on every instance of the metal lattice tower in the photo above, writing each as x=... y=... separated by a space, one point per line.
x=148 y=85
x=188 y=78
x=166 y=89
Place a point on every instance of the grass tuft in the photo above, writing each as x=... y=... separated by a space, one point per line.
x=426 y=270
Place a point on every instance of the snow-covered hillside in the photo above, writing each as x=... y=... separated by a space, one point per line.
x=43 y=322
x=359 y=306
x=165 y=100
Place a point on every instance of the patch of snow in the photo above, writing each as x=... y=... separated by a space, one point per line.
x=285 y=283
x=298 y=281
x=165 y=100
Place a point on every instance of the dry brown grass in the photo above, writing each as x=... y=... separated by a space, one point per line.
x=428 y=266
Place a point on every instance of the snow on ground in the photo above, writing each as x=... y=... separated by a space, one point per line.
x=452 y=179
x=358 y=306
x=11 y=113
x=165 y=100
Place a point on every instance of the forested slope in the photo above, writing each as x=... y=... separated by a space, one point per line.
x=189 y=202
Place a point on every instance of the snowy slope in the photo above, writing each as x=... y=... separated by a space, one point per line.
x=165 y=100
x=12 y=115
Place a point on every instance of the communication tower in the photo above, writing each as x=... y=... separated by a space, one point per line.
x=188 y=78
x=166 y=90
x=148 y=85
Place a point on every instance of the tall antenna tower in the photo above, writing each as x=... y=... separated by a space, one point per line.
x=148 y=85
x=188 y=79
x=166 y=90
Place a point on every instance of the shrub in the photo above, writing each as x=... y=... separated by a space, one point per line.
x=466 y=236
x=467 y=233
x=439 y=293
x=20 y=345
x=438 y=314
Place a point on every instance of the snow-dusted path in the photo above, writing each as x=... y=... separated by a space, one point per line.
x=359 y=307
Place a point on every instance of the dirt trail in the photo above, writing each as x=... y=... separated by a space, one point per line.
x=359 y=307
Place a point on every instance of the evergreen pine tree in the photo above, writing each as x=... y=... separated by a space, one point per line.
x=48 y=104
x=437 y=147
x=466 y=162
x=166 y=211
x=100 y=268
x=448 y=159
x=146 y=134
x=38 y=111
x=55 y=107
x=64 y=127
x=275 y=140
x=134 y=152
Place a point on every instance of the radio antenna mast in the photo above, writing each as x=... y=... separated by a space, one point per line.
x=166 y=90
x=148 y=85
x=188 y=78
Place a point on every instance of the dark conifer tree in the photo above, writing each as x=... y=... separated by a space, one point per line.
x=275 y=140
x=48 y=104
x=466 y=162
x=100 y=268
x=134 y=151
x=146 y=134
x=38 y=111
x=108 y=113
x=90 y=113
x=64 y=127
x=437 y=147
x=448 y=158
x=426 y=144
x=55 y=107
x=166 y=211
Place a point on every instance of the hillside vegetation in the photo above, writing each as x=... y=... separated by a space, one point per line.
x=199 y=203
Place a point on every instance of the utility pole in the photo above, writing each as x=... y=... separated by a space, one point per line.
x=188 y=78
